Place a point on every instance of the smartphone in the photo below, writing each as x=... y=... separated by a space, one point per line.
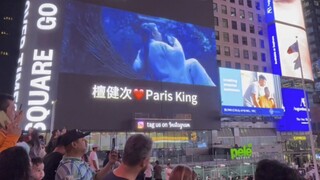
x=4 y=119
x=20 y=109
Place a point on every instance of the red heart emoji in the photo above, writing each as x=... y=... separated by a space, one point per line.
x=138 y=94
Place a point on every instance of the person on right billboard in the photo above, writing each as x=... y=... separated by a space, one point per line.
x=166 y=62
x=267 y=101
x=253 y=92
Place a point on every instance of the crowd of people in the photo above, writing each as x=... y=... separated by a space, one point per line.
x=28 y=157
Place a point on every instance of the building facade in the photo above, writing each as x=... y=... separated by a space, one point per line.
x=11 y=14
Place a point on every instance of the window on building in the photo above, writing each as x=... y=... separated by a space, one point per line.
x=228 y=64
x=224 y=23
x=234 y=25
x=218 y=49
x=261 y=43
x=235 y=39
x=250 y=16
x=249 y=3
x=224 y=9
x=254 y=55
x=227 y=51
x=251 y=28
x=253 y=42
x=233 y=11
x=247 y=66
x=216 y=21
x=243 y=27
x=260 y=30
x=232 y=1
x=255 y=68
x=238 y=65
x=258 y=5
x=218 y=63
x=236 y=52
x=215 y=7
x=217 y=35
x=263 y=57
x=265 y=69
x=225 y=37
x=259 y=17
x=242 y=15
x=240 y=2
x=245 y=54
x=244 y=40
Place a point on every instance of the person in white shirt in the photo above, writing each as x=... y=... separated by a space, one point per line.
x=93 y=159
x=148 y=172
x=168 y=171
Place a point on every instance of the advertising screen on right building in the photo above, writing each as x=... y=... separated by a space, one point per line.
x=295 y=111
x=248 y=93
x=287 y=39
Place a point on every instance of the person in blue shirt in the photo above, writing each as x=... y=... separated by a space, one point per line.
x=166 y=62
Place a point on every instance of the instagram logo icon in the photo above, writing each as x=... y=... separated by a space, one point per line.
x=140 y=125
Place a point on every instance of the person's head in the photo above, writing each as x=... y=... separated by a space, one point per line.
x=14 y=164
x=60 y=146
x=157 y=162
x=34 y=138
x=37 y=170
x=150 y=31
x=137 y=151
x=267 y=92
x=95 y=147
x=272 y=169
x=181 y=172
x=74 y=142
x=7 y=105
x=55 y=133
x=262 y=80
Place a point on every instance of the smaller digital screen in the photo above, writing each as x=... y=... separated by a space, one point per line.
x=293 y=52
x=295 y=114
x=250 y=93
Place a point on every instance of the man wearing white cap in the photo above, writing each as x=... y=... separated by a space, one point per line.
x=93 y=158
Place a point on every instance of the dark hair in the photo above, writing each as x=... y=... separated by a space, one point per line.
x=137 y=148
x=34 y=143
x=14 y=164
x=182 y=172
x=157 y=162
x=273 y=169
x=59 y=142
x=146 y=35
x=262 y=77
x=36 y=161
x=4 y=101
x=147 y=30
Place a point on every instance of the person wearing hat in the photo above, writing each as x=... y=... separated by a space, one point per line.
x=72 y=166
x=93 y=158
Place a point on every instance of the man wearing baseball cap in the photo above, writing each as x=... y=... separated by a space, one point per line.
x=72 y=166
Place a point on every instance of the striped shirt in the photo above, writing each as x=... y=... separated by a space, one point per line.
x=75 y=169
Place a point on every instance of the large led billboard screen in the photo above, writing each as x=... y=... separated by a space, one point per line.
x=248 y=93
x=118 y=66
x=287 y=39
x=295 y=115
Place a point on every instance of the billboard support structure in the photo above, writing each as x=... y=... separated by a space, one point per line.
x=308 y=115
x=53 y=115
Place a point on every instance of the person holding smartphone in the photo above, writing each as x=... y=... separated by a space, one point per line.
x=11 y=131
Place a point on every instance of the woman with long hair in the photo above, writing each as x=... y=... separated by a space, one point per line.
x=14 y=164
